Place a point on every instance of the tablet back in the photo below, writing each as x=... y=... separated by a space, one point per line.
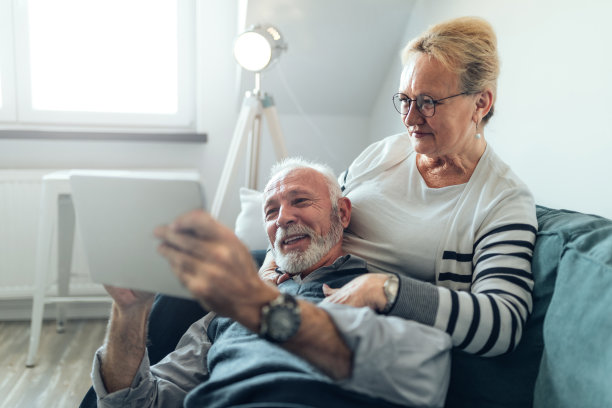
x=116 y=213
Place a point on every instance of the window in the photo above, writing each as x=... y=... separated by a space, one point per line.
x=7 y=90
x=99 y=63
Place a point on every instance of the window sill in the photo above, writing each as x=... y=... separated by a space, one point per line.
x=114 y=136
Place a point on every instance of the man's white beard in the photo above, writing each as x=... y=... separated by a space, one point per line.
x=297 y=261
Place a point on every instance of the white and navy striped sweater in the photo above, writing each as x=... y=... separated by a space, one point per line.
x=483 y=282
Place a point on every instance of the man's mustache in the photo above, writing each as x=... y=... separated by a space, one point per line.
x=282 y=233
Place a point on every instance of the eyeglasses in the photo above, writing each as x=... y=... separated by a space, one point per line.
x=424 y=103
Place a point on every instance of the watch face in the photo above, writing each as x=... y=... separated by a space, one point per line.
x=280 y=319
x=283 y=323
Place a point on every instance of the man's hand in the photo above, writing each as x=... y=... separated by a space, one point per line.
x=128 y=299
x=269 y=274
x=215 y=266
x=365 y=290
x=126 y=338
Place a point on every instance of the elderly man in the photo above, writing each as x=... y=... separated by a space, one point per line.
x=269 y=346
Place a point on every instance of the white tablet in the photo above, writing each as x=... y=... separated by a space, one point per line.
x=116 y=213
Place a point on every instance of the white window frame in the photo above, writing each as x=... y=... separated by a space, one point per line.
x=25 y=117
x=8 y=112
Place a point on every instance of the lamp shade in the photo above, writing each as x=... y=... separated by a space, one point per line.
x=258 y=47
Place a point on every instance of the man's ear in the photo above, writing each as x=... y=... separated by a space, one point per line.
x=344 y=210
x=484 y=102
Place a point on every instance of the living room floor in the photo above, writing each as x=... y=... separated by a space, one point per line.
x=61 y=376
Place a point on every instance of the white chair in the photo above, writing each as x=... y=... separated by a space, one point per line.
x=56 y=217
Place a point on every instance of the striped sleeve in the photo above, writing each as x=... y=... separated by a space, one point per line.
x=487 y=318
x=484 y=299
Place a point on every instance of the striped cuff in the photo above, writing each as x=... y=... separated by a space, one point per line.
x=416 y=300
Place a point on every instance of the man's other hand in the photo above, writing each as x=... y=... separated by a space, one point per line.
x=269 y=274
x=128 y=299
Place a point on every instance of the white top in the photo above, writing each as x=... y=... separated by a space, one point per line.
x=426 y=210
x=479 y=237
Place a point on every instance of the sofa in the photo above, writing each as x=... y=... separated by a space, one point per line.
x=565 y=357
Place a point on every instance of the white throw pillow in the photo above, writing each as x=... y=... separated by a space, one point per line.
x=249 y=223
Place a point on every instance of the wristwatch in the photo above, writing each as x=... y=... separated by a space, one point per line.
x=390 y=287
x=280 y=319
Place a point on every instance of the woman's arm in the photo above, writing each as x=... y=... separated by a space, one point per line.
x=488 y=319
x=483 y=294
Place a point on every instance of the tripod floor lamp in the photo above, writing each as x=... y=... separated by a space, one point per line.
x=255 y=50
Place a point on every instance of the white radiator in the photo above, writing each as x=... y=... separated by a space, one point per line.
x=19 y=211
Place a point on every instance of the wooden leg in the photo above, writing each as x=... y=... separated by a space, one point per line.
x=65 y=241
x=48 y=211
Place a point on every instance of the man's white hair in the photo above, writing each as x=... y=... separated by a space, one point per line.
x=290 y=164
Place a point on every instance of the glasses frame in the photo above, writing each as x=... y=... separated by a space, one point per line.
x=434 y=101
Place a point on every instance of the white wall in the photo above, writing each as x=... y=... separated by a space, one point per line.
x=554 y=94
x=335 y=140
x=385 y=120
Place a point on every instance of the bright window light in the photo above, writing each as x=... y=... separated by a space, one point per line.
x=6 y=61
x=115 y=56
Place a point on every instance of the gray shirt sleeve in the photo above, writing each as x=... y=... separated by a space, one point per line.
x=399 y=360
x=165 y=384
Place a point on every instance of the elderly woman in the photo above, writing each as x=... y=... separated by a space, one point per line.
x=445 y=225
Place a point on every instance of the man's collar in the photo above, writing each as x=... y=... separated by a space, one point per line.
x=343 y=262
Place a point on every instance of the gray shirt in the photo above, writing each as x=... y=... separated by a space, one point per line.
x=395 y=359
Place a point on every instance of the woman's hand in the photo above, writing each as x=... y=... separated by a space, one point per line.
x=365 y=290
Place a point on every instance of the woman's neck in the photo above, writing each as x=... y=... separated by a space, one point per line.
x=448 y=170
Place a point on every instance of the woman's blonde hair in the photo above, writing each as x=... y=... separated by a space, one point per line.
x=466 y=46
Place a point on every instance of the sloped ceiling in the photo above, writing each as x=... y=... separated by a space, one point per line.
x=339 y=52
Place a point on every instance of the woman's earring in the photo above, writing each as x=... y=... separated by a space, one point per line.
x=477 y=135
